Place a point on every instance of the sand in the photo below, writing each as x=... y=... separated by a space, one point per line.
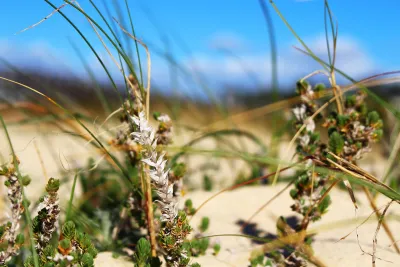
x=60 y=152
x=228 y=209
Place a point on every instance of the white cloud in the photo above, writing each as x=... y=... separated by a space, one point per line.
x=292 y=64
x=33 y=54
x=227 y=41
x=249 y=68
x=42 y=56
x=351 y=58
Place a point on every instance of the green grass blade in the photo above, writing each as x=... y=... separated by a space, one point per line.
x=296 y=35
x=326 y=34
x=90 y=46
x=113 y=32
x=333 y=32
x=121 y=18
x=136 y=43
x=274 y=50
x=117 y=47
x=113 y=28
x=71 y=198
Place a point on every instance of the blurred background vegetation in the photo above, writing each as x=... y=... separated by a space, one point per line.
x=224 y=71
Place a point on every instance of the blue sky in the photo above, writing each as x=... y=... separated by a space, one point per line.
x=196 y=31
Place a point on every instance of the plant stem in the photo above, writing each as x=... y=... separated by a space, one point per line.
x=149 y=209
x=378 y=215
x=337 y=92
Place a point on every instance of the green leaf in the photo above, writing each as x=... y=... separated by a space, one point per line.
x=143 y=250
x=87 y=260
x=65 y=243
x=323 y=206
x=216 y=248
x=68 y=230
x=293 y=193
x=156 y=114
x=350 y=101
x=52 y=185
x=20 y=239
x=26 y=180
x=205 y=223
x=373 y=117
x=189 y=203
x=342 y=120
x=336 y=143
x=179 y=169
x=207 y=183
x=319 y=87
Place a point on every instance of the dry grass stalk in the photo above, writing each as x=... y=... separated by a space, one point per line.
x=45 y=18
x=358 y=172
x=375 y=241
x=379 y=217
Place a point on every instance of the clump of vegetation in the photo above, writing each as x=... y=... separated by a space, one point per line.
x=132 y=206
x=74 y=249
x=145 y=208
x=351 y=130
x=45 y=223
x=145 y=150
x=130 y=200
x=10 y=238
